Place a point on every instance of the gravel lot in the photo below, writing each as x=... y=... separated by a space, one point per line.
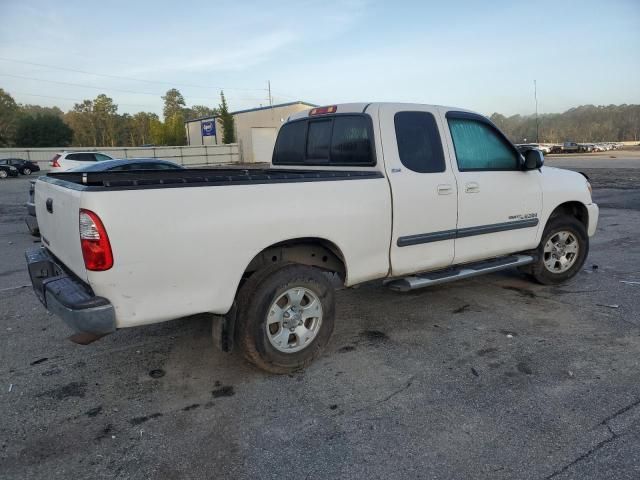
x=493 y=377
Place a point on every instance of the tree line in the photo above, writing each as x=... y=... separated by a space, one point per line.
x=586 y=123
x=97 y=123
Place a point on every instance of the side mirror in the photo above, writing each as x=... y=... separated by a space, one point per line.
x=533 y=159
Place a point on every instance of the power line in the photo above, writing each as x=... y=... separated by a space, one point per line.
x=120 y=77
x=113 y=89
x=78 y=100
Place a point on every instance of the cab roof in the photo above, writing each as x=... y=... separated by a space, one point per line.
x=361 y=107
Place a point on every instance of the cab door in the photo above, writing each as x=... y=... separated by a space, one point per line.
x=499 y=203
x=423 y=189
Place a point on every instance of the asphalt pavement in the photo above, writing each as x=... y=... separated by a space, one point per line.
x=491 y=378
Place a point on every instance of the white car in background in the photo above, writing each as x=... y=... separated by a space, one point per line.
x=64 y=161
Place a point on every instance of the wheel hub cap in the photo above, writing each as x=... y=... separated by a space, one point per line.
x=294 y=319
x=561 y=252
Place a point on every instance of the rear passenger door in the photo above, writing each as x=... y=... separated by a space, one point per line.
x=423 y=188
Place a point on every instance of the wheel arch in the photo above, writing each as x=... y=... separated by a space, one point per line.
x=312 y=251
x=574 y=209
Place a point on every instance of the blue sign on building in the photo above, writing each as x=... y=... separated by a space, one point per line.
x=209 y=128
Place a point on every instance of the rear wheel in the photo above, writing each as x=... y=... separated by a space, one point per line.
x=562 y=250
x=285 y=317
x=26 y=171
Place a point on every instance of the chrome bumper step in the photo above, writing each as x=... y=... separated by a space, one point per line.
x=452 y=274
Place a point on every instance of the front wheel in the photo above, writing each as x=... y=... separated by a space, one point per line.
x=3 y=174
x=562 y=250
x=285 y=317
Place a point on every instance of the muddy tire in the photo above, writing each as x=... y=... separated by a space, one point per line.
x=562 y=251
x=285 y=317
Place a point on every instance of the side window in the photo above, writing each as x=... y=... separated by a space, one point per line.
x=290 y=144
x=4 y=162
x=101 y=157
x=81 y=157
x=350 y=142
x=479 y=147
x=318 y=140
x=419 y=144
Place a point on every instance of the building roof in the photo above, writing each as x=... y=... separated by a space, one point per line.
x=279 y=105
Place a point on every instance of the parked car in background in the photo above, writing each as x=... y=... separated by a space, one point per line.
x=127 y=165
x=571 y=147
x=115 y=165
x=555 y=148
x=544 y=148
x=528 y=146
x=587 y=147
x=25 y=167
x=8 y=171
x=64 y=161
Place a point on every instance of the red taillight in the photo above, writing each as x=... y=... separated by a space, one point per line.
x=96 y=248
x=54 y=161
x=323 y=110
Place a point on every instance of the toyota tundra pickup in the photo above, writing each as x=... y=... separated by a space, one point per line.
x=412 y=195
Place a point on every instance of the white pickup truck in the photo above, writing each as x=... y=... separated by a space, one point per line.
x=413 y=195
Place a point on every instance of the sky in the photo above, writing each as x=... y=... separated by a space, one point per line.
x=483 y=56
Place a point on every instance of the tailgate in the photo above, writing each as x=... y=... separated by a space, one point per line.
x=57 y=210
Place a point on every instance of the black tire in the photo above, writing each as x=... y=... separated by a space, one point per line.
x=539 y=271
x=26 y=171
x=254 y=301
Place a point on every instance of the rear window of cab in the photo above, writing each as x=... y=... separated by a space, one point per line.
x=329 y=140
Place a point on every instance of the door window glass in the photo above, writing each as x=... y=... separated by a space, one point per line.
x=479 y=147
x=419 y=144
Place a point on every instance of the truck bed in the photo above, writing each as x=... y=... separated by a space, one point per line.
x=200 y=177
x=179 y=251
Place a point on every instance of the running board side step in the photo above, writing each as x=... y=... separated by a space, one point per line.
x=469 y=270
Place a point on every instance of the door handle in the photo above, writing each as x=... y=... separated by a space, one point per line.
x=472 y=187
x=444 y=189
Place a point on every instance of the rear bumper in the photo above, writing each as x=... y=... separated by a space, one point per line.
x=594 y=212
x=67 y=297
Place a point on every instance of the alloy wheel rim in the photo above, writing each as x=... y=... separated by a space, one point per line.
x=561 y=252
x=294 y=320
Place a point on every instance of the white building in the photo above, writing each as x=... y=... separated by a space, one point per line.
x=256 y=129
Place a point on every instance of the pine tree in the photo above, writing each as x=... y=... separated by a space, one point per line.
x=228 y=126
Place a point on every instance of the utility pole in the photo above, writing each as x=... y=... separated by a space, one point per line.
x=270 y=99
x=535 y=96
